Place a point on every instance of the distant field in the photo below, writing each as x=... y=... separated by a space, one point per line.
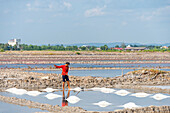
x=38 y=57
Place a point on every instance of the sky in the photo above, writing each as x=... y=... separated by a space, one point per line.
x=85 y=21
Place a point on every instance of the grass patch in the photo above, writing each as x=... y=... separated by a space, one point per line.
x=2 y=50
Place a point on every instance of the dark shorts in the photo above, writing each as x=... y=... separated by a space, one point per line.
x=65 y=77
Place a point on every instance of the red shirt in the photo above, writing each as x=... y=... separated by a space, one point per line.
x=64 y=69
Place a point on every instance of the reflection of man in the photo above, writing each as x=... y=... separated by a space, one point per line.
x=64 y=101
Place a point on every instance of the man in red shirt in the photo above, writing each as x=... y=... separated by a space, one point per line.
x=65 y=69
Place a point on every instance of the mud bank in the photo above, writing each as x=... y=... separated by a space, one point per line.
x=58 y=109
x=134 y=79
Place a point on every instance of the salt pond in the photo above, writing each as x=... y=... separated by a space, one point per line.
x=11 y=108
x=94 y=73
x=96 y=99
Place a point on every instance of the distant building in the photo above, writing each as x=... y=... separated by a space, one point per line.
x=13 y=42
x=98 y=48
x=164 y=47
x=86 y=46
x=128 y=46
x=116 y=48
x=136 y=48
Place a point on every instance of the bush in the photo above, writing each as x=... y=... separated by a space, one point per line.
x=51 y=54
x=77 y=53
x=2 y=50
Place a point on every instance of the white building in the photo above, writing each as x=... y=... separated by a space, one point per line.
x=128 y=46
x=164 y=47
x=98 y=48
x=13 y=42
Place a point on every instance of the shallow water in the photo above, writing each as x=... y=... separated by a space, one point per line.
x=94 y=73
x=4 y=108
x=88 y=98
x=85 y=65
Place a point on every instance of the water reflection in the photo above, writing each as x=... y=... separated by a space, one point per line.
x=64 y=99
x=96 y=99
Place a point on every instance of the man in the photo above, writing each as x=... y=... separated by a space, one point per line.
x=65 y=77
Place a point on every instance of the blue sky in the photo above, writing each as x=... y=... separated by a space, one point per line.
x=85 y=21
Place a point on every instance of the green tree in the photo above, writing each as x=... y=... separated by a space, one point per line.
x=92 y=48
x=117 y=46
x=30 y=47
x=123 y=45
x=15 y=47
x=75 y=48
x=49 y=46
x=6 y=47
x=135 y=45
x=44 y=47
x=105 y=47
x=83 y=48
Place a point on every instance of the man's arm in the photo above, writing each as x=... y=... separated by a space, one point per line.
x=58 y=66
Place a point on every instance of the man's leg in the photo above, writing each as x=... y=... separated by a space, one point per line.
x=63 y=85
x=67 y=79
x=63 y=81
x=68 y=85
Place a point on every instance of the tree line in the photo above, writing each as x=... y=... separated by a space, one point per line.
x=4 y=47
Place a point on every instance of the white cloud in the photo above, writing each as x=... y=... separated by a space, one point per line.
x=29 y=21
x=146 y=17
x=6 y=11
x=158 y=12
x=127 y=11
x=13 y=23
x=68 y=5
x=94 y=12
x=50 y=6
x=124 y=23
x=28 y=5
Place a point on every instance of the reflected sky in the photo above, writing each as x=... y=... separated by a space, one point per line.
x=94 y=73
x=4 y=108
x=88 y=98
